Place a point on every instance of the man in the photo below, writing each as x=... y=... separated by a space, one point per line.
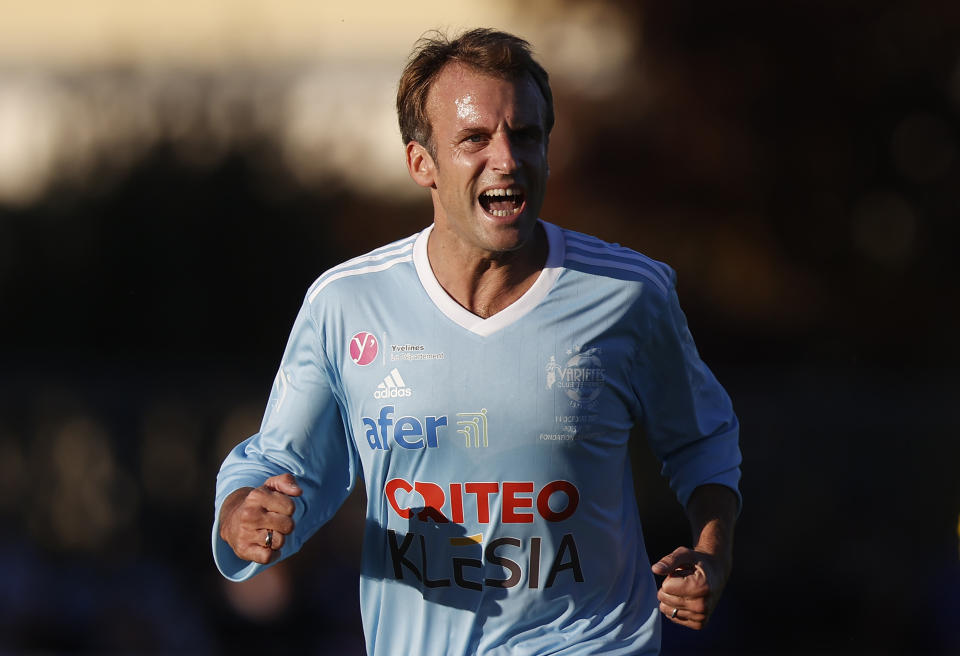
x=482 y=377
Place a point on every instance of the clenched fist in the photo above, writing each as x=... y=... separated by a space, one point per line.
x=255 y=521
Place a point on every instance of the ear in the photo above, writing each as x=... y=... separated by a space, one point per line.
x=420 y=165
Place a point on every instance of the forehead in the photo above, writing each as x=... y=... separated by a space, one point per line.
x=461 y=94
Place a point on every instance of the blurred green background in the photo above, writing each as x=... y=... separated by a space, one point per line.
x=174 y=175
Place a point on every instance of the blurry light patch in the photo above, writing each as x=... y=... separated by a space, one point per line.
x=91 y=497
x=587 y=46
x=746 y=279
x=221 y=33
x=341 y=127
x=119 y=118
x=169 y=456
x=76 y=131
x=214 y=32
x=923 y=147
x=81 y=452
x=85 y=95
x=200 y=117
x=29 y=125
x=263 y=598
x=884 y=228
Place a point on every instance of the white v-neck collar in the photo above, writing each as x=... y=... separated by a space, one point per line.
x=510 y=314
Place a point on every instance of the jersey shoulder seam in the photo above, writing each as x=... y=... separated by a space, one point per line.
x=377 y=260
x=595 y=252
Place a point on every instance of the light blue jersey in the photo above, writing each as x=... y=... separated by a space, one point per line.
x=501 y=516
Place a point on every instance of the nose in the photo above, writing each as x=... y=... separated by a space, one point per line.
x=503 y=157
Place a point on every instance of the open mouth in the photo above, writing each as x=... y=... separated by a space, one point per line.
x=502 y=202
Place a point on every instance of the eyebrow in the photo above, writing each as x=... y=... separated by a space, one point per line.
x=524 y=127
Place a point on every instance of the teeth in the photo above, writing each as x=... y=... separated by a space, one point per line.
x=502 y=192
x=491 y=195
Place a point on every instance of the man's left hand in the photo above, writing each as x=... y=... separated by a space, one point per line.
x=692 y=587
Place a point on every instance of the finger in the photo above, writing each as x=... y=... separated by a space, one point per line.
x=270 y=539
x=682 y=569
x=693 y=585
x=263 y=536
x=694 y=604
x=683 y=616
x=676 y=560
x=285 y=484
x=267 y=538
x=259 y=548
x=278 y=523
x=257 y=553
x=271 y=500
x=252 y=517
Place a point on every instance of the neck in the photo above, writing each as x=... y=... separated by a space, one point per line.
x=483 y=282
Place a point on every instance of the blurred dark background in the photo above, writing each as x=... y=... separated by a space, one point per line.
x=172 y=180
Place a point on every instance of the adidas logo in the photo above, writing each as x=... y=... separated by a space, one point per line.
x=392 y=387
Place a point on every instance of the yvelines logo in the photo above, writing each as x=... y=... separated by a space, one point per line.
x=392 y=387
x=363 y=348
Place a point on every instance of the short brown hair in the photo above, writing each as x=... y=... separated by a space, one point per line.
x=493 y=53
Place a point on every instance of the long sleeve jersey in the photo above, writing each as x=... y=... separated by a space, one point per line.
x=501 y=516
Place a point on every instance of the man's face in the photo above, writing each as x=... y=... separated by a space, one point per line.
x=490 y=156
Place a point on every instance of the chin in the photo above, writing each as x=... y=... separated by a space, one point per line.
x=509 y=236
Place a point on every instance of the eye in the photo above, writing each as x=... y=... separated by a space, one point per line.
x=528 y=135
x=475 y=138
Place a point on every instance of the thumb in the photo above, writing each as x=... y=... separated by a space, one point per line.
x=672 y=562
x=285 y=484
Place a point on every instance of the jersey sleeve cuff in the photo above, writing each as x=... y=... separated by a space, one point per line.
x=729 y=480
x=234 y=568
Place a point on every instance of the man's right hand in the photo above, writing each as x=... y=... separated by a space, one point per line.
x=250 y=514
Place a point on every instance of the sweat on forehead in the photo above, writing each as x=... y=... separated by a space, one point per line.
x=466 y=107
x=466 y=90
